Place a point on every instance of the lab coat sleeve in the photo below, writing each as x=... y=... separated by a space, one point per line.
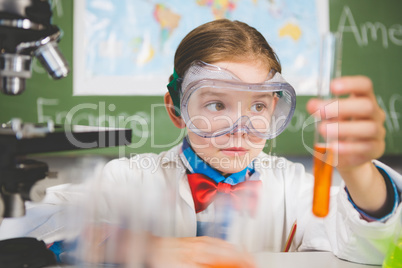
x=358 y=240
x=344 y=231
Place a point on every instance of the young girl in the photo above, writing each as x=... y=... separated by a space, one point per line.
x=226 y=90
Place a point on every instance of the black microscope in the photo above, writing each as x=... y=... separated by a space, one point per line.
x=26 y=31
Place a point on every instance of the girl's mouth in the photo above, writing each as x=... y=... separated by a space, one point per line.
x=234 y=151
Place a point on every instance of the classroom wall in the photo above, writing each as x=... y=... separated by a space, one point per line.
x=372 y=33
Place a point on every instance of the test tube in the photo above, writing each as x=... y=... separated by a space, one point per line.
x=330 y=68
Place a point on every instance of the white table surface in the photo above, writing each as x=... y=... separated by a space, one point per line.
x=294 y=260
x=304 y=260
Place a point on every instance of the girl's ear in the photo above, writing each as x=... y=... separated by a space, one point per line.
x=176 y=119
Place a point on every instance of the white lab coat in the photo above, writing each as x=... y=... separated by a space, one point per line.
x=287 y=197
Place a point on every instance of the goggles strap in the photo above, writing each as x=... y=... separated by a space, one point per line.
x=174 y=91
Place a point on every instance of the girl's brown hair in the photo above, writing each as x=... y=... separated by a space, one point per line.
x=224 y=40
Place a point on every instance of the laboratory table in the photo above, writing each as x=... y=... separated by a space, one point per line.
x=296 y=260
x=304 y=260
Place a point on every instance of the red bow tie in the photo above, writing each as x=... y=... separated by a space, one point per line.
x=204 y=191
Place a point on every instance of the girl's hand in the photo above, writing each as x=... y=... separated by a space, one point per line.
x=358 y=138
x=197 y=252
x=111 y=244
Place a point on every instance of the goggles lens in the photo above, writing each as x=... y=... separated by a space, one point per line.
x=212 y=107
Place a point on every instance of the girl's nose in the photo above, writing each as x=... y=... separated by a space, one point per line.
x=238 y=132
x=240 y=127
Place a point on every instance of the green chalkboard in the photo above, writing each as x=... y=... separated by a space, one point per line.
x=372 y=34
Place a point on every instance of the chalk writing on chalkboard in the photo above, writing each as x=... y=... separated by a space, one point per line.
x=57 y=8
x=142 y=123
x=393 y=116
x=369 y=31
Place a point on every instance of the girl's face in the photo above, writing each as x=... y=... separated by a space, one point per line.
x=231 y=153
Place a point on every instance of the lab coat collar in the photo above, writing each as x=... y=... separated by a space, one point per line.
x=172 y=157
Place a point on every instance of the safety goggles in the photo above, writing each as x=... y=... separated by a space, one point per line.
x=215 y=102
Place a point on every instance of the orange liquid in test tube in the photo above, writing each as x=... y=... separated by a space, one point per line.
x=322 y=180
x=223 y=266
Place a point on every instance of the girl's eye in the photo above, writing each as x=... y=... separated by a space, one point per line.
x=258 y=107
x=215 y=106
